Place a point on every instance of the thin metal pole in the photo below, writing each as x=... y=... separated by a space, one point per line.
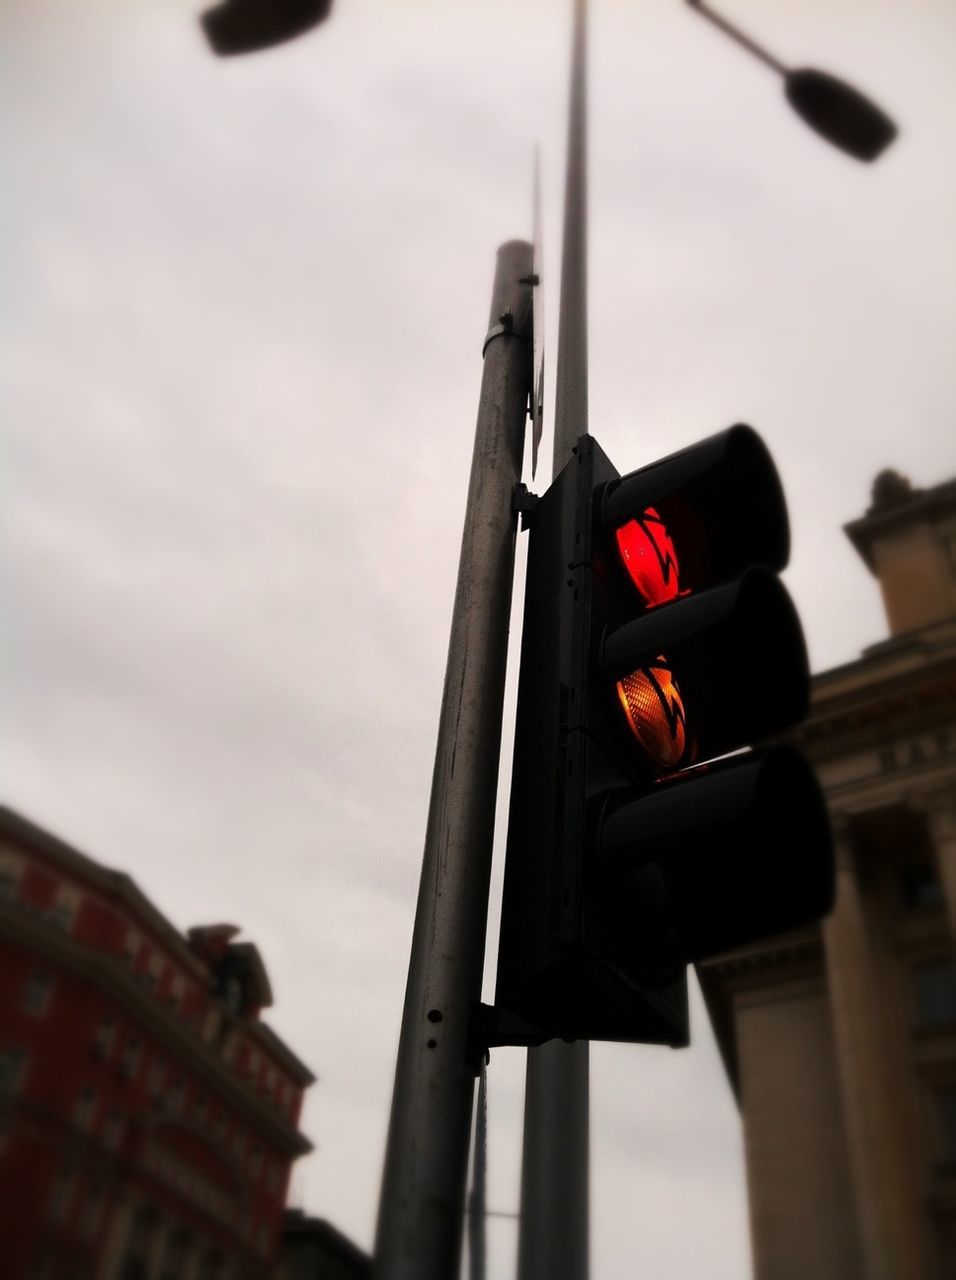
x=478 y=1205
x=571 y=385
x=553 y=1236
x=422 y=1204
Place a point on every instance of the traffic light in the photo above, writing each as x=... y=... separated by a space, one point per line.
x=657 y=638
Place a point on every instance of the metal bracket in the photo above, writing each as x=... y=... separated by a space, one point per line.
x=505 y=328
x=524 y=502
x=490 y=1028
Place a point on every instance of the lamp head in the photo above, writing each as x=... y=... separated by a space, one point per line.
x=839 y=113
x=246 y=26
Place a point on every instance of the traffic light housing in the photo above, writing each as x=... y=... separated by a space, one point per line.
x=657 y=638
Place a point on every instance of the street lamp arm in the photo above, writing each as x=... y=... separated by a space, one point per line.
x=835 y=110
x=736 y=34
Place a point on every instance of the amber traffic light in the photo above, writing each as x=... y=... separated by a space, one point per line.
x=657 y=639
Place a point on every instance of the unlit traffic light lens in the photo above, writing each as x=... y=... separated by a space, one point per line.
x=655 y=713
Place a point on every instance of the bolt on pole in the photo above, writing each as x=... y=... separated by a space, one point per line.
x=421 y=1211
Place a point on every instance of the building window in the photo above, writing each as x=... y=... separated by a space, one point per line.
x=154 y=969
x=13 y=1068
x=157 y=1073
x=229 y=1046
x=60 y=1195
x=83 y=1111
x=177 y=1095
x=176 y=989
x=136 y=1261
x=211 y=1266
x=255 y=1162
x=105 y=1036
x=41 y=1268
x=64 y=909
x=176 y=1255
x=200 y=1108
x=93 y=1210
x=132 y=1054
x=210 y=1024
x=37 y=991
x=131 y=946
x=946 y=1117
x=11 y=869
x=232 y=995
x=113 y=1129
x=191 y=1004
x=935 y=985
x=920 y=885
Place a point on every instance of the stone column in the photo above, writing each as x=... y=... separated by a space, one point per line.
x=939 y=805
x=110 y=1260
x=892 y=1232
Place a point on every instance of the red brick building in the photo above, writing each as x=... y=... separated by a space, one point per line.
x=148 y=1117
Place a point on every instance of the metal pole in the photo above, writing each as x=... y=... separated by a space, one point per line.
x=553 y=1237
x=422 y=1204
x=478 y=1205
x=571 y=386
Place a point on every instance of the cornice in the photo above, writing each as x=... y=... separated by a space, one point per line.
x=790 y=952
x=114 y=886
x=182 y=1041
x=912 y=507
x=124 y=895
x=863 y=716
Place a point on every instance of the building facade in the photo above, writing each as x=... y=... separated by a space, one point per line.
x=148 y=1116
x=840 y=1041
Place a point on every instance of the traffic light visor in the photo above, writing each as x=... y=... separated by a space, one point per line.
x=698 y=517
x=709 y=673
x=766 y=866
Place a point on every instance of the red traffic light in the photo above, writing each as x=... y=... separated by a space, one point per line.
x=698 y=517
x=648 y=554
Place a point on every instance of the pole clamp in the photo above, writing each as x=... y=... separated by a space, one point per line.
x=505 y=328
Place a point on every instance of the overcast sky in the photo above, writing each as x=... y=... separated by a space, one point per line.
x=241 y=337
